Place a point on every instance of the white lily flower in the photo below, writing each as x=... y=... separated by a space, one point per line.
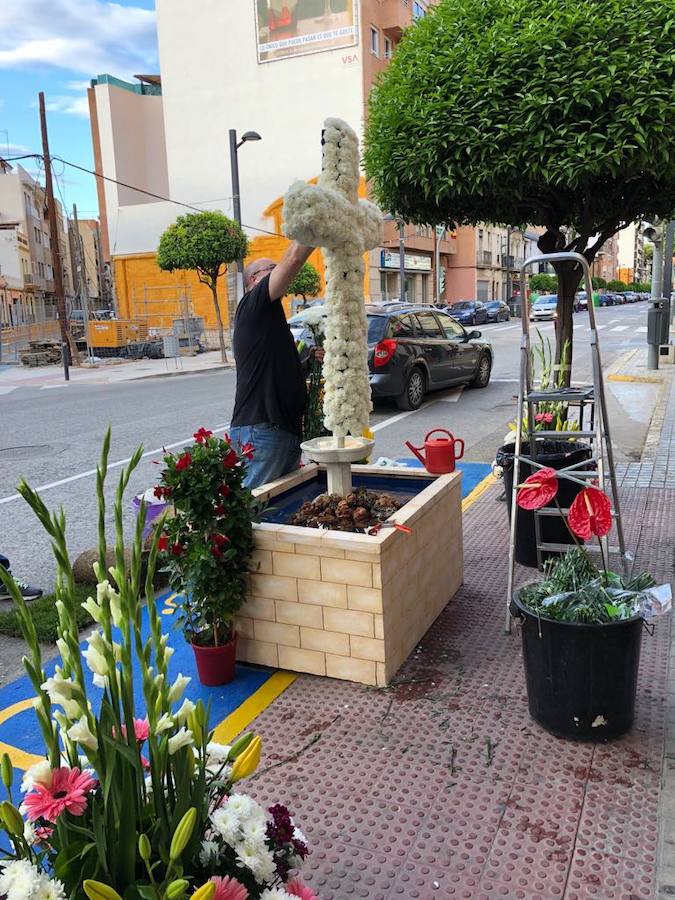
x=182 y=738
x=166 y=723
x=81 y=733
x=178 y=687
x=185 y=711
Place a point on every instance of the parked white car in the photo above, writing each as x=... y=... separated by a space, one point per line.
x=544 y=308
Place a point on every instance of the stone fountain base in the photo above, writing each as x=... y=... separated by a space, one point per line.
x=352 y=606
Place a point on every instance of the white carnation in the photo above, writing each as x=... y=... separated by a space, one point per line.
x=217 y=752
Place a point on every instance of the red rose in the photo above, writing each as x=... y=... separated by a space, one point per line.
x=177 y=549
x=230 y=459
x=220 y=539
x=248 y=450
x=183 y=461
x=590 y=513
x=163 y=543
x=202 y=435
x=224 y=490
x=537 y=490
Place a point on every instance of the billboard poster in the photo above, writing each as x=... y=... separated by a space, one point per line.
x=287 y=28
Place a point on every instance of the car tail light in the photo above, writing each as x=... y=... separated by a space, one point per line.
x=384 y=352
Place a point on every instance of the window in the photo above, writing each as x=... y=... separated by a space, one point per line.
x=482 y=290
x=429 y=327
x=418 y=11
x=403 y=327
x=374 y=41
x=452 y=330
x=38 y=234
x=388 y=48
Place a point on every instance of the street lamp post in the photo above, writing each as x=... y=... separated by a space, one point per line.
x=401 y=260
x=236 y=197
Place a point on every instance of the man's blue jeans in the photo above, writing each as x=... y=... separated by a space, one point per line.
x=275 y=452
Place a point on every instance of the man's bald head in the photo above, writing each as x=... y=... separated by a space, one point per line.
x=256 y=270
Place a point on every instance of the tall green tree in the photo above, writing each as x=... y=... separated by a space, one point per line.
x=205 y=242
x=550 y=112
x=307 y=283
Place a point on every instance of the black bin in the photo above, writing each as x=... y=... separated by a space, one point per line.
x=555 y=455
x=581 y=679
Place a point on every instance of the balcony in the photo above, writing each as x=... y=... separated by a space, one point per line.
x=484 y=257
x=396 y=16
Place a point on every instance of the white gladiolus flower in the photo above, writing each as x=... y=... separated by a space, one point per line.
x=96 y=662
x=59 y=688
x=166 y=723
x=178 y=687
x=99 y=681
x=81 y=733
x=40 y=773
x=168 y=653
x=104 y=589
x=185 y=710
x=72 y=709
x=94 y=610
x=182 y=738
x=62 y=647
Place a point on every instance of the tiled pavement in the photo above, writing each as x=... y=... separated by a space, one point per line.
x=657 y=466
x=442 y=786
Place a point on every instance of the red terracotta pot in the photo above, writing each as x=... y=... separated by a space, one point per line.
x=215 y=665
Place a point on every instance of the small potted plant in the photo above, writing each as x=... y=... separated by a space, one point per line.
x=206 y=546
x=582 y=625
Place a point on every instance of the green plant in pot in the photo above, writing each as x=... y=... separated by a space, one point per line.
x=582 y=625
x=206 y=546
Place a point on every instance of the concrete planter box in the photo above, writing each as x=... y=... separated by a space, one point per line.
x=352 y=606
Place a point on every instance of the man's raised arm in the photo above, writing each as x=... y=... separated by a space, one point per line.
x=287 y=268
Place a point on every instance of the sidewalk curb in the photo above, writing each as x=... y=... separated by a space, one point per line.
x=218 y=368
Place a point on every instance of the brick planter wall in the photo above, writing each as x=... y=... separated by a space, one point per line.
x=352 y=606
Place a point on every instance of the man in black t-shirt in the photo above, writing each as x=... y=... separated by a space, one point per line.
x=271 y=391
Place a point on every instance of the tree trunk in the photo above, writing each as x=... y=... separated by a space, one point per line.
x=568 y=280
x=219 y=320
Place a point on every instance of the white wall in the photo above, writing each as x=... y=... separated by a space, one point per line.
x=10 y=258
x=627 y=247
x=211 y=82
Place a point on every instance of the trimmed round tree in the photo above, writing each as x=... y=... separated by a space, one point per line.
x=307 y=283
x=206 y=242
x=555 y=113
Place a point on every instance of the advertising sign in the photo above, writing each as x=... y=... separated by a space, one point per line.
x=413 y=262
x=286 y=28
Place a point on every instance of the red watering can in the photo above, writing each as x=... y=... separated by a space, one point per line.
x=439 y=453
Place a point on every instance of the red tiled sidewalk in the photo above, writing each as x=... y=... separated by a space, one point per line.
x=441 y=785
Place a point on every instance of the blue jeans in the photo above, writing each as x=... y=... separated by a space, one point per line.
x=275 y=452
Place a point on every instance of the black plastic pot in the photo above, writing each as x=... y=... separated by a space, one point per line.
x=581 y=679
x=555 y=455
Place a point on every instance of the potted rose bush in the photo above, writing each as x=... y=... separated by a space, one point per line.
x=133 y=799
x=206 y=546
x=582 y=624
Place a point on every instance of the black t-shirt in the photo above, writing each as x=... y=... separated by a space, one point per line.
x=270 y=383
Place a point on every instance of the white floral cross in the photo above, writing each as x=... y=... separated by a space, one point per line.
x=330 y=215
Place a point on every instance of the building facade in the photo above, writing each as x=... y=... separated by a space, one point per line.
x=276 y=68
x=85 y=252
x=26 y=262
x=633 y=266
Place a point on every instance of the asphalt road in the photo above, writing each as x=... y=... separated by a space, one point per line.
x=53 y=437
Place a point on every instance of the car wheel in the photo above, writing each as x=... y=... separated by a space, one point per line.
x=482 y=378
x=413 y=395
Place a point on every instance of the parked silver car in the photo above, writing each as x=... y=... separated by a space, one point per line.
x=544 y=308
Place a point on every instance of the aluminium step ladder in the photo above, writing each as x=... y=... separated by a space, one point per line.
x=593 y=428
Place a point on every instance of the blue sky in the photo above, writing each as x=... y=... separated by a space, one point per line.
x=57 y=46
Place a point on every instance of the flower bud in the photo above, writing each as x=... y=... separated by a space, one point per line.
x=96 y=890
x=6 y=771
x=144 y=848
x=182 y=834
x=239 y=746
x=176 y=889
x=205 y=892
x=247 y=762
x=12 y=818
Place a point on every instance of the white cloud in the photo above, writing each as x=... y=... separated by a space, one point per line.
x=73 y=106
x=9 y=149
x=90 y=37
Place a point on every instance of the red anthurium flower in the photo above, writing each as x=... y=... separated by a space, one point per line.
x=202 y=435
x=163 y=543
x=220 y=539
x=183 y=461
x=177 y=548
x=537 y=490
x=547 y=418
x=248 y=450
x=230 y=459
x=219 y=509
x=216 y=551
x=224 y=490
x=590 y=514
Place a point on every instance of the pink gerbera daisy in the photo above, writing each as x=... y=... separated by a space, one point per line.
x=300 y=890
x=68 y=791
x=228 y=889
x=141 y=730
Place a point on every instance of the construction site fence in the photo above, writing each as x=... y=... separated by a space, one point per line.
x=17 y=338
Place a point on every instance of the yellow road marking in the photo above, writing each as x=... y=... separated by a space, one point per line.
x=169 y=605
x=20 y=758
x=478 y=491
x=636 y=379
x=238 y=720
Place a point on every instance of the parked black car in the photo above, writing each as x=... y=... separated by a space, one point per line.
x=606 y=300
x=416 y=349
x=497 y=311
x=468 y=312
